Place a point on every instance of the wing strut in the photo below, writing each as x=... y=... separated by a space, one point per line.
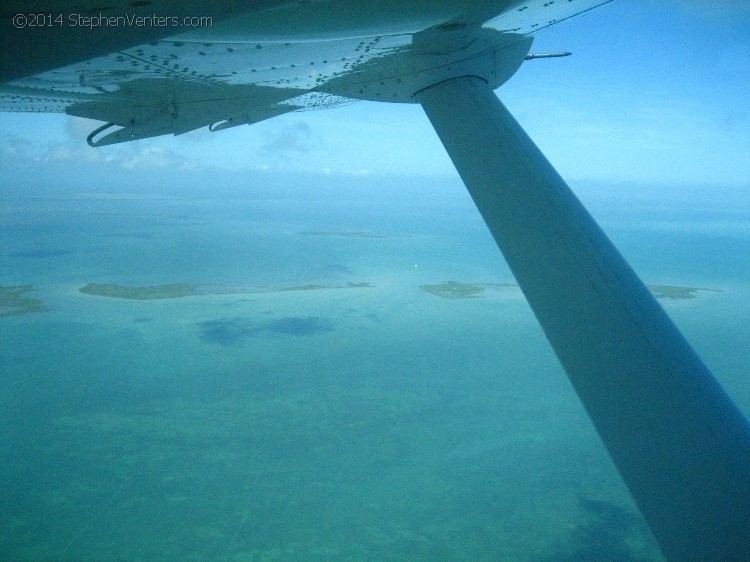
x=678 y=441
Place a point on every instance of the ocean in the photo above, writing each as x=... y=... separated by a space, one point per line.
x=260 y=368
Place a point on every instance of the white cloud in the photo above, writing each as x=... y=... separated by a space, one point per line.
x=131 y=156
x=148 y=156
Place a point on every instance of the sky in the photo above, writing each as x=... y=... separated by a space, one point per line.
x=655 y=93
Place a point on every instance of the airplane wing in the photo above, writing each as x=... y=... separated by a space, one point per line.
x=169 y=67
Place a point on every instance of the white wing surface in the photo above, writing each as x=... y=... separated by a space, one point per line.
x=138 y=66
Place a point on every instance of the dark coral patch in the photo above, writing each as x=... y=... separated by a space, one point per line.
x=300 y=325
x=606 y=532
x=233 y=331
x=226 y=331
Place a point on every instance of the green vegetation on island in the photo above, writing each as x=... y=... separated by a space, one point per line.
x=677 y=292
x=13 y=302
x=457 y=290
x=170 y=291
x=454 y=290
x=178 y=290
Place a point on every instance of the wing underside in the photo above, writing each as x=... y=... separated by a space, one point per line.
x=269 y=60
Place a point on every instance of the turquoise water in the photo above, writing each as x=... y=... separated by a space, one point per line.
x=377 y=422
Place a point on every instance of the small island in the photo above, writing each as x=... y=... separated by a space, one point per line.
x=315 y=287
x=14 y=302
x=180 y=290
x=676 y=292
x=151 y=292
x=344 y=234
x=457 y=290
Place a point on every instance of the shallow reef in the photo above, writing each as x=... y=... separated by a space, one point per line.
x=677 y=292
x=300 y=325
x=234 y=331
x=606 y=531
x=227 y=331
x=13 y=301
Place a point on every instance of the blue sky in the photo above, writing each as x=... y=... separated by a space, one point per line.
x=656 y=93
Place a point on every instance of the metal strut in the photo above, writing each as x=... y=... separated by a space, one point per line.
x=678 y=441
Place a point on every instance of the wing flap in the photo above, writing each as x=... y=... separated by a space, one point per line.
x=152 y=107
